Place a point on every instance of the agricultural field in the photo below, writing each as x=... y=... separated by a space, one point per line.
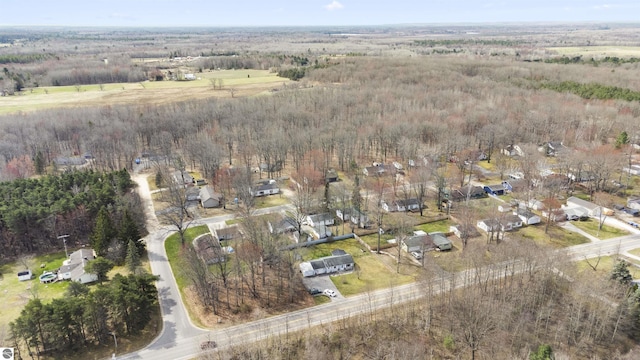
x=598 y=51
x=235 y=83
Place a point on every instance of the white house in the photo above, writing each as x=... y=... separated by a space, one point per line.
x=590 y=208
x=340 y=261
x=402 y=205
x=73 y=268
x=527 y=216
x=264 y=188
x=325 y=219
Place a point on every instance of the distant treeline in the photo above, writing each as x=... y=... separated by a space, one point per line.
x=23 y=58
x=89 y=76
x=34 y=211
x=592 y=90
x=457 y=42
x=580 y=60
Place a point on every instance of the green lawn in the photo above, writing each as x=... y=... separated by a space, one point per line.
x=370 y=274
x=604 y=266
x=271 y=200
x=15 y=294
x=173 y=247
x=437 y=226
x=607 y=232
x=556 y=236
x=372 y=239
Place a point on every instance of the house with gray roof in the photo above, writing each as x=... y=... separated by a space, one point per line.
x=73 y=268
x=327 y=265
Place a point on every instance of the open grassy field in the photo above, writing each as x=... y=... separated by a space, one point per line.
x=243 y=82
x=604 y=267
x=556 y=236
x=15 y=294
x=598 y=51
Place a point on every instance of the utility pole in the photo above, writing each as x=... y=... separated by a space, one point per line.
x=64 y=240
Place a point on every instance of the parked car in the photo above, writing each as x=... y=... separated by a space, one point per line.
x=416 y=255
x=208 y=345
x=630 y=211
x=314 y=291
x=330 y=293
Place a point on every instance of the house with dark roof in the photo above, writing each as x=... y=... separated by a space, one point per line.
x=495 y=190
x=208 y=249
x=73 y=268
x=402 y=205
x=327 y=265
x=420 y=241
x=527 y=216
x=474 y=192
x=285 y=225
x=228 y=233
x=182 y=177
x=380 y=170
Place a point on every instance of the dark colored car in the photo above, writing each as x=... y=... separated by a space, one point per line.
x=208 y=345
x=314 y=291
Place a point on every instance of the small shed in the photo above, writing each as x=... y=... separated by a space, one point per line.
x=25 y=275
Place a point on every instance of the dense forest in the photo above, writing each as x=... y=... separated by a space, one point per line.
x=124 y=306
x=35 y=211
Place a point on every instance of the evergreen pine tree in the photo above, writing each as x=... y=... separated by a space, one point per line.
x=103 y=232
x=133 y=257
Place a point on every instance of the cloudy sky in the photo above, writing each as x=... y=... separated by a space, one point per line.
x=307 y=12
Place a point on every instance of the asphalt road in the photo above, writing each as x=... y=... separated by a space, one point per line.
x=180 y=339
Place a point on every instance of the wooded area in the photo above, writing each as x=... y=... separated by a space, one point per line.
x=435 y=98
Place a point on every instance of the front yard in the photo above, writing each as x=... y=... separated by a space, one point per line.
x=607 y=232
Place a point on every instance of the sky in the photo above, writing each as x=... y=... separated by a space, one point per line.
x=215 y=13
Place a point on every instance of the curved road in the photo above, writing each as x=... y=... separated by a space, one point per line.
x=180 y=339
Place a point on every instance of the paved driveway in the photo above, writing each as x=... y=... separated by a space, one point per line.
x=321 y=283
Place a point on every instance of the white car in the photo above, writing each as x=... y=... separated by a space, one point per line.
x=416 y=255
x=330 y=293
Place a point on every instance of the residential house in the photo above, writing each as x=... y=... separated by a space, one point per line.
x=360 y=219
x=286 y=225
x=420 y=241
x=314 y=220
x=228 y=233
x=327 y=265
x=265 y=188
x=474 y=192
x=331 y=176
x=512 y=150
x=440 y=241
x=209 y=198
x=462 y=230
x=182 y=177
x=510 y=222
x=553 y=148
x=209 y=250
x=527 y=216
x=380 y=170
x=504 y=223
x=515 y=185
x=402 y=205
x=556 y=215
x=574 y=213
x=192 y=195
x=73 y=268
x=590 y=208
x=536 y=205
x=495 y=190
